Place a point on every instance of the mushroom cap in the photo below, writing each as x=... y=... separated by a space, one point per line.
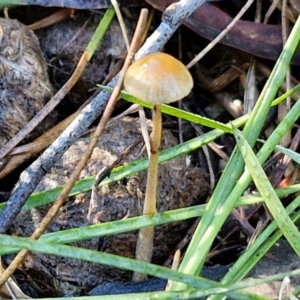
x=158 y=78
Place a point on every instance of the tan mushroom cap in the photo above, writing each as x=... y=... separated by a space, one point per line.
x=158 y=78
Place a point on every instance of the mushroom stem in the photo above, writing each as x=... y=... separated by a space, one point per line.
x=144 y=245
x=155 y=137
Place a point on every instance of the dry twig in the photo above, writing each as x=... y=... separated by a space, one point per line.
x=100 y=128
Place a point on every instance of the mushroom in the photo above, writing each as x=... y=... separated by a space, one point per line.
x=157 y=78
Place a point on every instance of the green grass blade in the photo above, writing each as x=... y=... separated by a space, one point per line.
x=219 y=206
x=111 y=260
x=155 y=295
x=115 y=227
x=119 y=173
x=175 y=112
x=248 y=283
x=100 y=31
x=285 y=95
x=262 y=155
x=265 y=188
x=290 y=153
x=259 y=248
x=207 y=287
x=12 y=3
x=125 y=225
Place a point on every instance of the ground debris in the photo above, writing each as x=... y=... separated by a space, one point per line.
x=180 y=185
x=25 y=86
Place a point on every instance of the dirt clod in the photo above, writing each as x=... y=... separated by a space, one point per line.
x=25 y=86
x=180 y=185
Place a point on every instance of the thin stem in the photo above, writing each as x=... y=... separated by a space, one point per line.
x=144 y=244
x=155 y=137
